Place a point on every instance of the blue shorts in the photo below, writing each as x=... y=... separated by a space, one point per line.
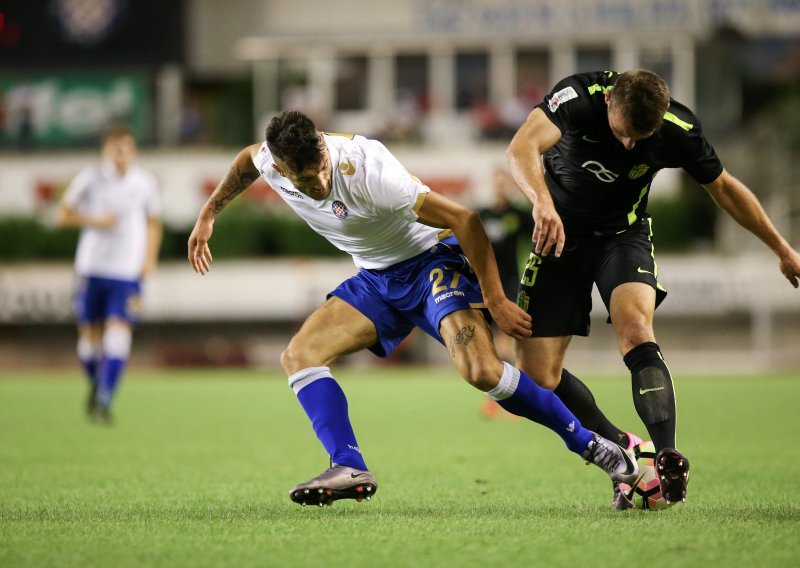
x=418 y=292
x=97 y=299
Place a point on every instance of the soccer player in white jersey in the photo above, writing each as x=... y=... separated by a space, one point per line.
x=412 y=273
x=116 y=205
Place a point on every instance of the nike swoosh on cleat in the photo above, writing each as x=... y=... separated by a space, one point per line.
x=644 y=391
x=354 y=475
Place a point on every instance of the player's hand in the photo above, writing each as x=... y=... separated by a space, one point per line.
x=511 y=319
x=549 y=230
x=199 y=252
x=104 y=221
x=789 y=265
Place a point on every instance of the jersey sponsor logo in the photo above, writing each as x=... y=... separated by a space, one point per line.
x=638 y=171
x=339 y=209
x=449 y=294
x=600 y=171
x=291 y=192
x=560 y=98
x=347 y=168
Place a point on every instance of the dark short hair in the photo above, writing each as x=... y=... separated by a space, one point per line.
x=642 y=97
x=293 y=137
x=116 y=130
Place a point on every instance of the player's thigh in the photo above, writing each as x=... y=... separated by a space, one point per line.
x=543 y=358
x=469 y=343
x=91 y=332
x=628 y=258
x=557 y=293
x=335 y=329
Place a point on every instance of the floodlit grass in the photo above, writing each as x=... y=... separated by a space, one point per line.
x=196 y=469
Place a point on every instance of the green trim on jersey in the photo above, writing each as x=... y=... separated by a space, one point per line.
x=675 y=120
x=599 y=89
x=632 y=215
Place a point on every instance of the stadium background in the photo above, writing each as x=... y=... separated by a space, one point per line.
x=444 y=83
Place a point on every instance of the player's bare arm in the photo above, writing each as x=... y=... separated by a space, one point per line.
x=438 y=211
x=240 y=176
x=533 y=139
x=68 y=217
x=155 y=233
x=736 y=199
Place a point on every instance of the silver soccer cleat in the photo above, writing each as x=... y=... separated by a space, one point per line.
x=337 y=482
x=616 y=462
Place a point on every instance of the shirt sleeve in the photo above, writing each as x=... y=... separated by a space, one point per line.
x=76 y=190
x=391 y=188
x=568 y=105
x=153 y=203
x=703 y=163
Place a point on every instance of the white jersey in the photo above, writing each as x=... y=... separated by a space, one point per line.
x=120 y=251
x=371 y=211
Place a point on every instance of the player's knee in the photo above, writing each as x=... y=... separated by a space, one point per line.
x=483 y=375
x=634 y=332
x=548 y=379
x=296 y=357
x=290 y=361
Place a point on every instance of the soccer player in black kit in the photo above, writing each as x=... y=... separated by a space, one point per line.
x=603 y=136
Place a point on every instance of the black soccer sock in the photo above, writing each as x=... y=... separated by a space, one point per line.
x=653 y=393
x=579 y=399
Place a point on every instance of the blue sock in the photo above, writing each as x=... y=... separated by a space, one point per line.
x=90 y=368
x=110 y=372
x=529 y=400
x=326 y=407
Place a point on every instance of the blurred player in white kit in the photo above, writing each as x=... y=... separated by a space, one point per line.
x=117 y=207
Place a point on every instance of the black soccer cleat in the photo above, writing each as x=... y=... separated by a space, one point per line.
x=337 y=482
x=672 y=469
x=91 y=400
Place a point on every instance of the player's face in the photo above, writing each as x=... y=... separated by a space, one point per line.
x=622 y=130
x=121 y=150
x=314 y=181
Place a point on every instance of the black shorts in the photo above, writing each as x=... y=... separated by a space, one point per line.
x=557 y=292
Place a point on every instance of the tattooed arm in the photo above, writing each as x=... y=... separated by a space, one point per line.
x=242 y=173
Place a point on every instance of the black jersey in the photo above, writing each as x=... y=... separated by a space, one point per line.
x=598 y=186
x=505 y=227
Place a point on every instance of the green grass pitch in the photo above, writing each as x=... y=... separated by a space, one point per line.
x=196 y=470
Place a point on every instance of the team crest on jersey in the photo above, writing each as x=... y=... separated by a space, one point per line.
x=339 y=209
x=638 y=171
x=560 y=98
x=347 y=168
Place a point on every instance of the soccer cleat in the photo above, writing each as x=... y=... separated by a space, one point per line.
x=337 y=482
x=101 y=414
x=621 y=501
x=633 y=440
x=672 y=469
x=91 y=400
x=611 y=458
